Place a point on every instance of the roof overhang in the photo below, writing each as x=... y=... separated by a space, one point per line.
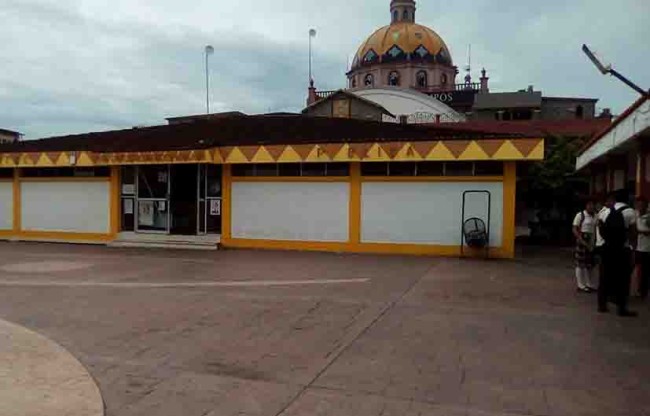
x=273 y=139
x=625 y=132
x=409 y=150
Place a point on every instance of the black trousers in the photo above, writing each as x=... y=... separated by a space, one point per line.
x=615 y=282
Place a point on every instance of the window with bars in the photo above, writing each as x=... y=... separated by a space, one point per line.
x=66 y=172
x=407 y=169
x=291 y=169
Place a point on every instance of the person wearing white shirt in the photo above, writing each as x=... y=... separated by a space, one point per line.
x=642 y=247
x=584 y=231
x=617 y=227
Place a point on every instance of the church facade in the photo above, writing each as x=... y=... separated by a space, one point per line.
x=414 y=59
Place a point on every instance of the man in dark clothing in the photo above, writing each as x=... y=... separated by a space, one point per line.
x=617 y=227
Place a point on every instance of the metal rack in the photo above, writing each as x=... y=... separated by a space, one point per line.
x=463 y=219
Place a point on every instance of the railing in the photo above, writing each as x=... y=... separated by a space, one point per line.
x=324 y=94
x=471 y=86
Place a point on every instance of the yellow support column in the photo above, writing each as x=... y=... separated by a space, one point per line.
x=226 y=203
x=355 y=203
x=17 y=207
x=115 y=201
x=509 y=202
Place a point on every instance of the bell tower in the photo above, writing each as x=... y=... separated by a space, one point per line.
x=402 y=11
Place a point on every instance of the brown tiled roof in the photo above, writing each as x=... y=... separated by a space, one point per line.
x=539 y=128
x=192 y=118
x=250 y=130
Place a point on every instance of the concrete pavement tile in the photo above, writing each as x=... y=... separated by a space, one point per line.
x=190 y=394
x=508 y=399
x=316 y=402
x=39 y=377
x=580 y=402
x=497 y=327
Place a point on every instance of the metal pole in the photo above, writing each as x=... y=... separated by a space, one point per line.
x=629 y=83
x=207 y=84
x=312 y=33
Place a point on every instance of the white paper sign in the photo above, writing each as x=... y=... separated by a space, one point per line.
x=215 y=207
x=128 y=189
x=128 y=206
x=145 y=213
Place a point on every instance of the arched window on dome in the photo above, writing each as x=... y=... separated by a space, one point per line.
x=422 y=79
x=395 y=53
x=395 y=16
x=421 y=53
x=443 y=79
x=406 y=16
x=353 y=82
x=369 y=80
x=370 y=57
x=393 y=79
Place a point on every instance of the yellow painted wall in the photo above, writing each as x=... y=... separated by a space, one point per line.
x=354 y=244
x=17 y=233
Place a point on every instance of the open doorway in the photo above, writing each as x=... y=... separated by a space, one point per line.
x=183 y=199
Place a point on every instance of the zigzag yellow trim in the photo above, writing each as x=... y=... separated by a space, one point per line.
x=378 y=151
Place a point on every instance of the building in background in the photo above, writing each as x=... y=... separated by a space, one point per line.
x=9 y=136
x=619 y=157
x=408 y=59
x=383 y=104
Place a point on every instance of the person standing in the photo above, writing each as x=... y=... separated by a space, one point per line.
x=600 y=242
x=643 y=247
x=617 y=226
x=584 y=231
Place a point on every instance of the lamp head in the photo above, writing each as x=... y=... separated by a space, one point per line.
x=604 y=69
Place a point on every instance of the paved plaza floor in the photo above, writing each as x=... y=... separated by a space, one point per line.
x=260 y=333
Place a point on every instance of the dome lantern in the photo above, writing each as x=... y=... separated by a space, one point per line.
x=402 y=11
x=415 y=54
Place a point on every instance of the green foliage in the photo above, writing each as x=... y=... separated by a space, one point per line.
x=556 y=173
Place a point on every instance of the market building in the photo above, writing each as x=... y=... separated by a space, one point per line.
x=270 y=181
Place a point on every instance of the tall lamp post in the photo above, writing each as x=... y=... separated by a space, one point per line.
x=209 y=50
x=312 y=34
x=607 y=69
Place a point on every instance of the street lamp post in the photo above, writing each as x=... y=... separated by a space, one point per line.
x=607 y=69
x=312 y=34
x=209 y=50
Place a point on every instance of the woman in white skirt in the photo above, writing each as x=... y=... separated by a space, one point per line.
x=584 y=231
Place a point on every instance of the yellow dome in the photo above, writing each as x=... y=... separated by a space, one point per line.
x=400 y=42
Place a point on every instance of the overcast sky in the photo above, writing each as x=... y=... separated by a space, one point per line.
x=70 y=66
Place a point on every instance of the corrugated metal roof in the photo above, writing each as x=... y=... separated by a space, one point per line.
x=540 y=128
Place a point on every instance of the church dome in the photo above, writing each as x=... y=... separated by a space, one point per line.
x=403 y=41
